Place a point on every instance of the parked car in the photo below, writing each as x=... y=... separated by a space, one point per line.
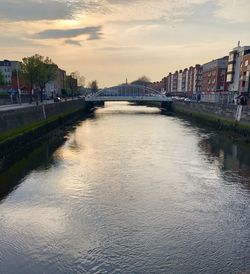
x=57 y=99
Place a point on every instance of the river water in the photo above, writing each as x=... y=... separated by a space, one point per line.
x=130 y=191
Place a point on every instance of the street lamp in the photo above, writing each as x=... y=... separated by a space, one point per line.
x=18 y=84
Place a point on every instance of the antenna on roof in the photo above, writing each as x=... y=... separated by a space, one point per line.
x=238 y=43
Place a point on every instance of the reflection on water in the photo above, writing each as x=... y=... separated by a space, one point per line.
x=233 y=158
x=130 y=191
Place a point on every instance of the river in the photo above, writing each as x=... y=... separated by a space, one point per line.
x=131 y=190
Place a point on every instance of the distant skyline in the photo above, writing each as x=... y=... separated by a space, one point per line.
x=111 y=40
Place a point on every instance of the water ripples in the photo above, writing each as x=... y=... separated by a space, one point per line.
x=131 y=191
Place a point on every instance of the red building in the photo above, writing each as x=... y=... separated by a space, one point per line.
x=214 y=76
x=22 y=85
x=244 y=86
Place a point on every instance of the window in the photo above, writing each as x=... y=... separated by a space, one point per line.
x=229 y=78
x=231 y=57
x=230 y=68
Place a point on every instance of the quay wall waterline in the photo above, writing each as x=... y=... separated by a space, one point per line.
x=232 y=118
x=25 y=128
x=15 y=118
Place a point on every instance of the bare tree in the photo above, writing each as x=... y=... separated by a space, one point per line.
x=93 y=86
x=142 y=81
x=80 y=78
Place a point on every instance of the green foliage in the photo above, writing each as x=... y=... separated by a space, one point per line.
x=38 y=70
x=69 y=91
x=2 y=81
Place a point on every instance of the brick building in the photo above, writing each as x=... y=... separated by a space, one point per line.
x=244 y=85
x=214 y=76
x=184 y=87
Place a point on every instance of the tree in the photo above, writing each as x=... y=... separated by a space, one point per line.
x=2 y=81
x=80 y=78
x=38 y=71
x=93 y=86
x=47 y=73
x=142 y=81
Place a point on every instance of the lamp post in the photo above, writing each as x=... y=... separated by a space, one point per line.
x=18 y=84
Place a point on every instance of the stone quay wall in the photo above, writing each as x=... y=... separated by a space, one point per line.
x=17 y=118
x=229 y=117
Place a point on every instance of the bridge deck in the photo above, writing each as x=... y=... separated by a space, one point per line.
x=128 y=98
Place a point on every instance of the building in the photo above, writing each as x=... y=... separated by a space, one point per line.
x=159 y=85
x=234 y=67
x=7 y=68
x=190 y=85
x=57 y=86
x=168 y=83
x=244 y=86
x=175 y=82
x=71 y=84
x=20 y=83
x=214 y=76
x=172 y=83
x=197 y=80
x=179 y=81
x=184 y=87
x=164 y=85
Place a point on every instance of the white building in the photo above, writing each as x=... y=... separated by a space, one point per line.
x=6 y=68
x=172 y=82
x=179 y=83
x=56 y=86
x=234 y=67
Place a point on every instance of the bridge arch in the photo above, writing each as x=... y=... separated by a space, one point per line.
x=128 y=92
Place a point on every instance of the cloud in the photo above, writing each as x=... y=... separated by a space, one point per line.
x=122 y=48
x=92 y=32
x=95 y=36
x=36 y=10
x=33 y=10
x=72 y=42
x=234 y=10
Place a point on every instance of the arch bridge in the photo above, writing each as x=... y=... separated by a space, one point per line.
x=128 y=92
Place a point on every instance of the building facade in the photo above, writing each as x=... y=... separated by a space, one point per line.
x=71 y=84
x=184 y=87
x=234 y=67
x=57 y=86
x=244 y=86
x=179 y=81
x=197 y=80
x=6 y=69
x=214 y=76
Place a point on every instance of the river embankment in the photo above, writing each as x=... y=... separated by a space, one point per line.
x=232 y=119
x=23 y=129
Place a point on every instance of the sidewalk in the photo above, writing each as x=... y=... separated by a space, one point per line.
x=26 y=105
x=18 y=106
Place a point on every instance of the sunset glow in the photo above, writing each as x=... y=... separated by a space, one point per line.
x=134 y=37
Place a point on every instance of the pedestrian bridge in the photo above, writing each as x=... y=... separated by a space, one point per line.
x=128 y=92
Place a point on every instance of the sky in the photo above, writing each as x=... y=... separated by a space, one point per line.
x=111 y=40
